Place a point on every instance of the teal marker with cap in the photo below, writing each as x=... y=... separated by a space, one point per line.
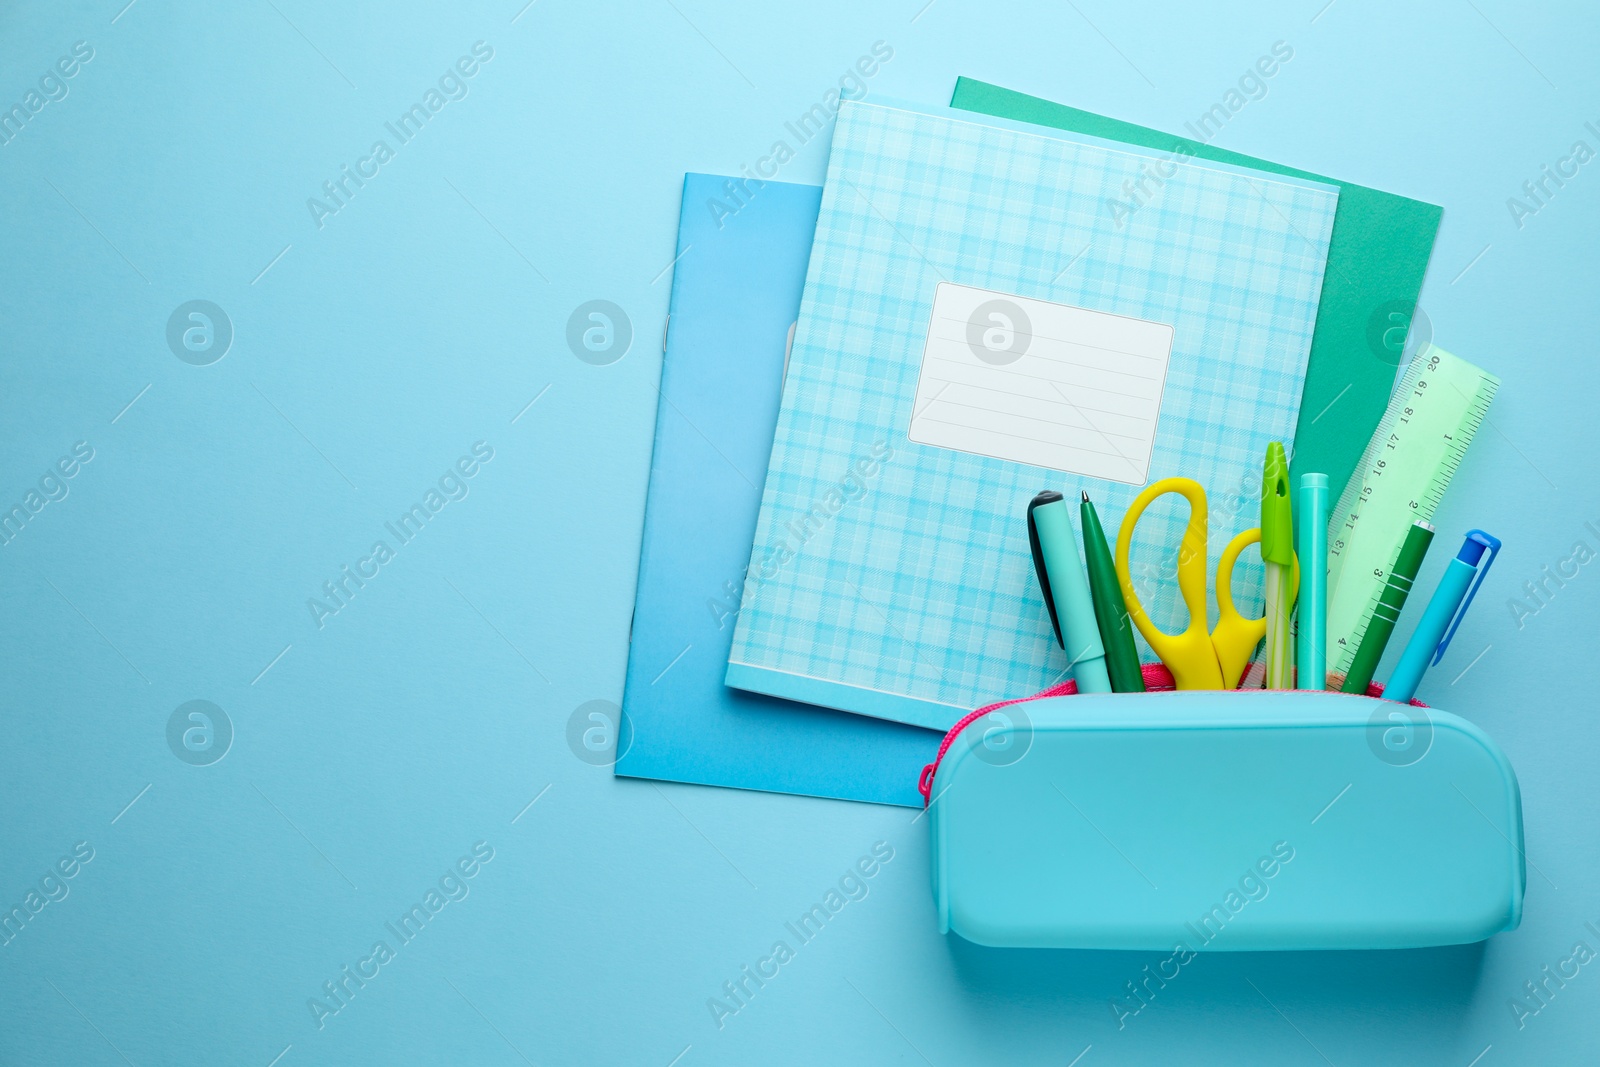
x=1066 y=590
x=1311 y=545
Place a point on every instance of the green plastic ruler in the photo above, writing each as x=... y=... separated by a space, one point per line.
x=1434 y=413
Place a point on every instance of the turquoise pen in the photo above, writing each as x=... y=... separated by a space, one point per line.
x=1311 y=545
x=1066 y=590
x=1445 y=611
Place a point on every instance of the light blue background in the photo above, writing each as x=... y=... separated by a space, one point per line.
x=427 y=714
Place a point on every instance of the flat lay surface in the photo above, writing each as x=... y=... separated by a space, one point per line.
x=331 y=339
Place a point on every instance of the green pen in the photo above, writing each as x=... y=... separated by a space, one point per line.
x=1387 y=610
x=1277 y=551
x=1110 y=611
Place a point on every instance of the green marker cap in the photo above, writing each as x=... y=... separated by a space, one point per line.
x=1277 y=519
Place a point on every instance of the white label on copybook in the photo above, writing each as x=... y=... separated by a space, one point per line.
x=1040 y=383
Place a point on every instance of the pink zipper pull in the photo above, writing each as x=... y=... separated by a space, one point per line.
x=1156 y=679
x=925 y=782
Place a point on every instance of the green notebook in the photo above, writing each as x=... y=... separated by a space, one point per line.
x=1376 y=259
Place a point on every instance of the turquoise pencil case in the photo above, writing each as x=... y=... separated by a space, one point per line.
x=1223 y=821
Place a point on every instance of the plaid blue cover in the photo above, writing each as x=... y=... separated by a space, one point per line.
x=893 y=578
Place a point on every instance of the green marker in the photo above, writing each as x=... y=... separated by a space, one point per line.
x=1277 y=551
x=1110 y=612
x=1380 y=625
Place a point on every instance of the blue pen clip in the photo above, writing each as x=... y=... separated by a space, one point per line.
x=1492 y=544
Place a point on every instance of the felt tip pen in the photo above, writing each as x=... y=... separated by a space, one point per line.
x=1380 y=625
x=1311 y=541
x=1110 y=610
x=1462 y=578
x=1066 y=590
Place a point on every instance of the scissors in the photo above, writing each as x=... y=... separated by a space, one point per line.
x=1197 y=659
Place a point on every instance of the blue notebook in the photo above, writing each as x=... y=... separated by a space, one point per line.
x=992 y=309
x=735 y=295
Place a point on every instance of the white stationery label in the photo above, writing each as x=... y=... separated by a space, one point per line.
x=1047 y=384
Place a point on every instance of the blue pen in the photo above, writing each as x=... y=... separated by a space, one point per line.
x=1066 y=590
x=1445 y=612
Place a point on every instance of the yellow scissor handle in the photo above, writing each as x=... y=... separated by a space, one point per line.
x=1236 y=637
x=1189 y=655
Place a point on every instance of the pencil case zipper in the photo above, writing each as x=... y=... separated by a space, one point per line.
x=1157 y=679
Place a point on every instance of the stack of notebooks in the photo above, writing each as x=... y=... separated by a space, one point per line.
x=863 y=385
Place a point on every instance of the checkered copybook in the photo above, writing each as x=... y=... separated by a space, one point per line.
x=992 y=309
